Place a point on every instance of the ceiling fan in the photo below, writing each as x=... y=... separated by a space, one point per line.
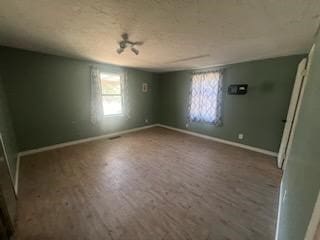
x=127 y=43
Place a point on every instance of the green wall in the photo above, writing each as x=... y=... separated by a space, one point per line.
x=7 y=132
x=257 y=114
x=301 y=179
x=49 y=98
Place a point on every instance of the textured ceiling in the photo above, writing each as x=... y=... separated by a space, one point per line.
x=177 y=34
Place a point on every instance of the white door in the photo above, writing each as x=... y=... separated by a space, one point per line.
x=291 y=111
x=294 y=107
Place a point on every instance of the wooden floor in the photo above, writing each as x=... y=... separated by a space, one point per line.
x=153 y=184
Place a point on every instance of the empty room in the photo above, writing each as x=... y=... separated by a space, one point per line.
x=159 y=120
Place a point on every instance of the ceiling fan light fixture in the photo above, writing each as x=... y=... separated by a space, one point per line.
x=123 y=44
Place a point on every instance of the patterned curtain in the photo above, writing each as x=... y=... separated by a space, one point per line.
x=96 y=97
x=205 y=98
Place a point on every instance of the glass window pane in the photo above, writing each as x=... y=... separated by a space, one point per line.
x=112 y=105
x=110 y=83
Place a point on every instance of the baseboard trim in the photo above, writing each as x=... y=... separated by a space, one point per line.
x=16 y=177
x=255 y=149
x=65 y=144
x=84 y=140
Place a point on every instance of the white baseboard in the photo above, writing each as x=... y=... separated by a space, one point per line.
x=259 y=150
x=65 y=144
x=60 y=145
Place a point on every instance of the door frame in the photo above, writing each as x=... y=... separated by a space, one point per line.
x=292 y=110
x=8 y=164
x=314 y=223
x=297 y=112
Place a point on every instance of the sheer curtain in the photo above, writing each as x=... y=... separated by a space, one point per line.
x=125 y=95
x=205 y=98
x=96 y=97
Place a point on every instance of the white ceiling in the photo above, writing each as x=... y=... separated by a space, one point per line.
x=180 y=34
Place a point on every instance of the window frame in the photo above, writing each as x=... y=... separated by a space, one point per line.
x=113 y=95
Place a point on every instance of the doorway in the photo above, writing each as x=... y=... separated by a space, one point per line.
x=294 y=108
x=7 y=196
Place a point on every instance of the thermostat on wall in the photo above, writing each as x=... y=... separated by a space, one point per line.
x=238 y=89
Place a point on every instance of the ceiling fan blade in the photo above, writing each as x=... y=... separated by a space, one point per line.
x=138 y=43
x=136 y=51
x=120 y=50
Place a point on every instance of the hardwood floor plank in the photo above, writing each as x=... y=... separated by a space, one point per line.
x=154 y=184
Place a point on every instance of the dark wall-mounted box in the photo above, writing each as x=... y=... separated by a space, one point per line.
x=237 y=89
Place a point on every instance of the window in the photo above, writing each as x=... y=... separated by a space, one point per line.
x=111 y=91
x=206 y=98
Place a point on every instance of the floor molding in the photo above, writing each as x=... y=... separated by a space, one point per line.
x=65 y=144
x=259 y=150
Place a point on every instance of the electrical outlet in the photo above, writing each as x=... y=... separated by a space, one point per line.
x=144 y=87
x=146 y=120
x=240 y=136
x=187 y=125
